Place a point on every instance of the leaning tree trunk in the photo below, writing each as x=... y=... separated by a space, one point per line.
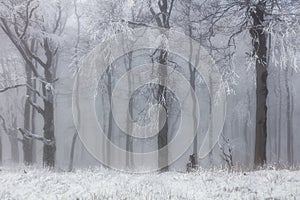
x=49 y=148
x=71 y=161
x=27 y=143
x=260 y=51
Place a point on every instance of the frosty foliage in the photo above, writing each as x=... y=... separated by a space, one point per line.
x=284 y=42
x=99 y=183
x=106 y=18
x=35 y=19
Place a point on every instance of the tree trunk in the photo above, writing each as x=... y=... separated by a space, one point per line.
x=260 y=50
x=71 y=161
x=14 y=145
x=289 y=114
x=279 y=121
x=247 y=128
x=70 y=168
x=49 y=149
x=27 y=143
x=162 y=139
x=14 y=148
x=129 y=140
x=33 y=114
x=110 y=116
x=192 y=71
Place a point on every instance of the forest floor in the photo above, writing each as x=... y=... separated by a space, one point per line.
x=98 y=183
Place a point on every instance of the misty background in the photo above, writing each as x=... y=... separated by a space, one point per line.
x=63 y=31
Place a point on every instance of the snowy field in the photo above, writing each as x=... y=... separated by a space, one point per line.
x=34 y=183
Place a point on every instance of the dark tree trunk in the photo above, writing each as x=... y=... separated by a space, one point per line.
x=193 y=86
x=33 y=114
x=192 y=71
x=162 y=140
x=260 y=51
x=129 y=139
x=49 y=149
x=27 y=143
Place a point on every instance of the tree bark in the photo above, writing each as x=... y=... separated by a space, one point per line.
x=289 y=115
x=192 y=71
x=49 y=149
x=110 y=115
x=27 y=143
x=33 y=115
x=14 y=145
x=162 y=139
x=260 y=51
x=129 y=139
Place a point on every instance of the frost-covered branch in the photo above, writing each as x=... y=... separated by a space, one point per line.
x=31 y=136
x=24 y=85
x=4 y=26
x=12 y=87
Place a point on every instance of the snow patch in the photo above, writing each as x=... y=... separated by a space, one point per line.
x=99 y=183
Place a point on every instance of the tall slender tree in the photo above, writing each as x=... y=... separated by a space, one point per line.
x=259 y=41
x=162 y=19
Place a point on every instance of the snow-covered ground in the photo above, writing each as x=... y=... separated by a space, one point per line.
x=35 y=183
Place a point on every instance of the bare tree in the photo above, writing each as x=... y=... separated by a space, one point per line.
x=162 y=19
x=76 y=59
x=16 y=27
x=9 y=116
x=259 y=41
x=289 y=115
